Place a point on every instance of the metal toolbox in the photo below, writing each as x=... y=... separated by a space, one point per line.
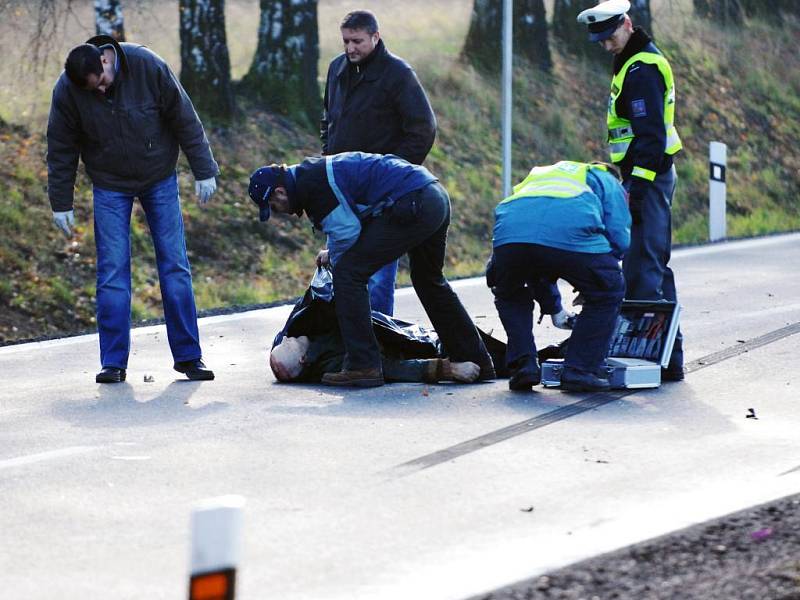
x=642 y=343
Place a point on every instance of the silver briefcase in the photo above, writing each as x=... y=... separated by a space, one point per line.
x=642 y=344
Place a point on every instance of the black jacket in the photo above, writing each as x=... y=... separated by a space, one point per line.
x=385 y=110
x=128 y=140
x=642 y=103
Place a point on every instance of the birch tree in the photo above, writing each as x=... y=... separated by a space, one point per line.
x=724 y=12
x=641 y=16
x=283 y=74
x=108 y=19
x=205 y=63
x=483 y=45
x=573 y=34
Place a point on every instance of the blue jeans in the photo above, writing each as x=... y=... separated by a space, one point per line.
x=647 y=274
x=112 y=224
x=381 y=288
x=598 y=277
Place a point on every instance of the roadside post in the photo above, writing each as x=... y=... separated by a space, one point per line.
x=717 y=161
x=216 y=534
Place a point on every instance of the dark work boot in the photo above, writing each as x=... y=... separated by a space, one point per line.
x=525 y=377
x=195 y=370
x=487 y=369
x=673 y=374
x=573 y=380
x=110 y=375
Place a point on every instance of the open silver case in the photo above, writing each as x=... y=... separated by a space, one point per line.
x=642 y=344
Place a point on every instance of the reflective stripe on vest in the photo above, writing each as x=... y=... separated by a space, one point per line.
x=565 y=179
x=620 y=131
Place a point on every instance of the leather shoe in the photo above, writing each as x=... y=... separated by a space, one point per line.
x=110 y=375
x=195 y=370
x=573 y=380
x=355 y=378
x=673 y=374
x=525 y=377
x=487 y=371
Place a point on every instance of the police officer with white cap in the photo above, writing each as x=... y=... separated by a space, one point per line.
x=642 y=141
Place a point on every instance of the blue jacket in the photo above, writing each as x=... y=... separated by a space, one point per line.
x=340 y=191
x=594 y=222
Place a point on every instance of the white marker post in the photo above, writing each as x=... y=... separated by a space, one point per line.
x=717 y=160
x=216 y=526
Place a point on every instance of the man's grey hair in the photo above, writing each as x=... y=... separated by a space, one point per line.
x=360 y=19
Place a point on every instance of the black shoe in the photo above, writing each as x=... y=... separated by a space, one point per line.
x=487 y=369
x=525 y=377
x=673 y=374
x=194 y=370
x=110 y=375
x=581 y=381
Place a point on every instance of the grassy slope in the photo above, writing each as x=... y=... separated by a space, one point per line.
x=47 y=282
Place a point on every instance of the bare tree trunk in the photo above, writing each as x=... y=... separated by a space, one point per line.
x=205 y=64
x=483 y=45
x=530 y=33
x=770 y=11
x=640 y=15
x=573 y=34
x=724 y=12
x=283 y=74
x=108 y=19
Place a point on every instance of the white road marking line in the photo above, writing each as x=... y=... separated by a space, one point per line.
x=43 y=456
x=457 y=284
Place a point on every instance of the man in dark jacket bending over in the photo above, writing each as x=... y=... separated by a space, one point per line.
x=374 y=209
x=375 y=103
x=121 y=109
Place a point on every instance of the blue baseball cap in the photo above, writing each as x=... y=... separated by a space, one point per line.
x=262 y=182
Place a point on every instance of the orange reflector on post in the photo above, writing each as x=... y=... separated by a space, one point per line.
x=216 y=525
x=218 y=585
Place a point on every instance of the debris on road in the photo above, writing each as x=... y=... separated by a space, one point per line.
x=761 y=534
x=751 y=414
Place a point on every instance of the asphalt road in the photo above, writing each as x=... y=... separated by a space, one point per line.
x=406 y=491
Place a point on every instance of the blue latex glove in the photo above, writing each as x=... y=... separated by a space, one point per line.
x=204 y=189
x=65 y=221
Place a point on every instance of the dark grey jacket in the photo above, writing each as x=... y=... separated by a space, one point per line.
x=385 y=112
x=129 y=141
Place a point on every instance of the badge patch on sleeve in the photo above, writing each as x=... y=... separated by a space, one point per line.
x=639 y=108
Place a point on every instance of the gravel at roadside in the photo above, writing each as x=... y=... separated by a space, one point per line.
x=749 y=555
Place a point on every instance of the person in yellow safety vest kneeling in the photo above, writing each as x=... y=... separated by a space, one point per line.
x=571 y=221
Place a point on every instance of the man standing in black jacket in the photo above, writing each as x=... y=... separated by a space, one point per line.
x=374 y=103
x=121 y=110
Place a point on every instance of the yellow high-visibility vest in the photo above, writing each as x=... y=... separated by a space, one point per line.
x=565 y=179
x=620 y=132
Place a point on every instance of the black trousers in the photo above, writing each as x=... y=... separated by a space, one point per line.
x=383 y=240
x=597 y=277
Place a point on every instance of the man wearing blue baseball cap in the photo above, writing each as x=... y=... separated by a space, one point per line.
x=642 y=142
x=374 y=208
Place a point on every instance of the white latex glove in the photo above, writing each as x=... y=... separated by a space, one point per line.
x=204 y=189
x=65 y=221
x=563 y=319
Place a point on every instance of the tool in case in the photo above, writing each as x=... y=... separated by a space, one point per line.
x=642 y=343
